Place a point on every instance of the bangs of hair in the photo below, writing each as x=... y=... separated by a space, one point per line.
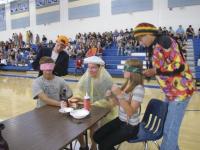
x=136 y=78
x=45 y=60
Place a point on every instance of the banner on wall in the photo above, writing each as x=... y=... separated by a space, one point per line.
x=19 y=6
x=182 y=3
x=78 y=9
x=45 y=3
x=20 y=16
x=47 y=11
x=129 y=6
x=2 y=17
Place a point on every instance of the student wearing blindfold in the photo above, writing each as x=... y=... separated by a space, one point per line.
x=47 y=89
x=128 y=98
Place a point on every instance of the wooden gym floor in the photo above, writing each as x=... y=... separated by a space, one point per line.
x=16 y=98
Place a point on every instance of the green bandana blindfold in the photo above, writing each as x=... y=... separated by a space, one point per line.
x=132 y=69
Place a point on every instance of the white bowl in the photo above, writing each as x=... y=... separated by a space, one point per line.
x=79 y=113
x=66 y=110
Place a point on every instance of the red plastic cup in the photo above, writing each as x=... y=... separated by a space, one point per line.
x=87 y=104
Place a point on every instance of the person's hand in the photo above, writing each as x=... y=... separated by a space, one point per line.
x=115 y=101
x=116 y=90
x=63 y=104
x=149 y=72
x=108 y=93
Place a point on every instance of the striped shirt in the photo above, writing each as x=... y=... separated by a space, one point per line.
x=136 y=95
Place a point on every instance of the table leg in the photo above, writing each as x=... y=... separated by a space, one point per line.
x=86 y=138
x=71 y=146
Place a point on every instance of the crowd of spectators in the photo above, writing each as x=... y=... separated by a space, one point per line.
x=19 y=52
x=11 y=54
x=90 y=44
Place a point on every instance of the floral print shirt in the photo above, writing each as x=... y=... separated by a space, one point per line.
x=167 y=60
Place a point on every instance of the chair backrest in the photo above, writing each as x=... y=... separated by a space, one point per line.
x=154 y=117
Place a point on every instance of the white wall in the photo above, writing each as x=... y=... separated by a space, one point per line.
x=160 y=16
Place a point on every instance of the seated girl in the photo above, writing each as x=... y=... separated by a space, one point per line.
x=128 y=98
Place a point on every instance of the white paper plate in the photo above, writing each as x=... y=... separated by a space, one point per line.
x=79 y=113
x=66 y=110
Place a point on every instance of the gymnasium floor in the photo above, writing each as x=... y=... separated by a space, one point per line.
x=15 y=99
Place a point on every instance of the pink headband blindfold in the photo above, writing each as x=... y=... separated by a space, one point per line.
x=47 y=66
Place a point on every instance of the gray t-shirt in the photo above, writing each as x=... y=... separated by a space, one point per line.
x=52 y=88
x=136 y=95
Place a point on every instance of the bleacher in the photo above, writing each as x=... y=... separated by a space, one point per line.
x=16 y=68
x=196 y=45
x=114 y=63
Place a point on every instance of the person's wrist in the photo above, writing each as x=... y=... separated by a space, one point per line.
x=112 y=94
x=61 y=104
x=155 y=71
x=120 y=96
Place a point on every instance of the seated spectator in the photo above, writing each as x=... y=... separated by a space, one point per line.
x=31 y=57
x=80 y=50
x=12 y=57
x=171 y=32
x=121 y=47
x=79 y=64
x=128 y=47
x=91 y=52
x=115 y=35
x=190 y=32
x=47 y=88
x=165 y=31
x=37 y=39
x=51 y=44
x=180 y=32
x=44 y=39
x=160 y=30
x=99 y=50
x=3 y=61
x=18 y=58
x=199 y=33
x=70 y=51
x=183 y=49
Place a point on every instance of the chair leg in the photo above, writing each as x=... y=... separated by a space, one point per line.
x=146 y=145
x=157 y=145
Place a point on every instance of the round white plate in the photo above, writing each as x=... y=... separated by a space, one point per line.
x=66 y=110
x=79 y=113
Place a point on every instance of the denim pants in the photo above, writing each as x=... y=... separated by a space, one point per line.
x=176 y=111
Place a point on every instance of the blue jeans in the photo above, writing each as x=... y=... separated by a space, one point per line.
x=176 y=111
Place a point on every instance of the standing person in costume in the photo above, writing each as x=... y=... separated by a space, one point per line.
x=58 y=54
x=173 y=75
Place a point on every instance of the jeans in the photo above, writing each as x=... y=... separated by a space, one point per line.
x=113 y=133
x=176 y=111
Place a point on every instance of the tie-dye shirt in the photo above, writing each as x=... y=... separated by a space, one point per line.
x=167 y=60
